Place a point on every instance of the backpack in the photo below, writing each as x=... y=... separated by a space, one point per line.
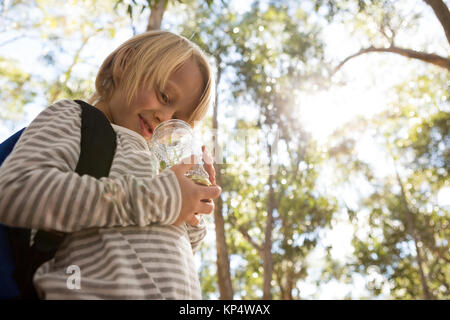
x=19 y=260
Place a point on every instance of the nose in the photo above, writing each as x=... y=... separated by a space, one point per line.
x=164 y=115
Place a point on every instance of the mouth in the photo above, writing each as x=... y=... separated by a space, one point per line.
x=146 y=128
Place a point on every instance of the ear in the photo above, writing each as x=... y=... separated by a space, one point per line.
x=121 y=62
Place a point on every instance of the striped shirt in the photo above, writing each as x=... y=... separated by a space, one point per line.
x=120 y=232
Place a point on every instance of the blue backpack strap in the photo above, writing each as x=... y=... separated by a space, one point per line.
x=8 y=286
x=7 y=146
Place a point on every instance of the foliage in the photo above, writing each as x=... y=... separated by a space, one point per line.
x=16 y=89
x=61 y=41
x=404 y=249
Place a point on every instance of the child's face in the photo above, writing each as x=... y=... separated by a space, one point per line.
x=151 y=107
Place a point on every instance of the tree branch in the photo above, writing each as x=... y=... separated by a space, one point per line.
x=386 y=24
x=441 y=254
x=245 y=234
x=57 y=86
x=423 y=56
x=442 y=13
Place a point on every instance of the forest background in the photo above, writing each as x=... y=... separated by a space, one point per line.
x=357 y=92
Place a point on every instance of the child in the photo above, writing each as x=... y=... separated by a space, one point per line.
x=130 y=235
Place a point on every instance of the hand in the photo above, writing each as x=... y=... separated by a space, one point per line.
x=209 y=166
x=192 y=194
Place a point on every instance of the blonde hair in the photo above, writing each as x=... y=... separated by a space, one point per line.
x=146 y=61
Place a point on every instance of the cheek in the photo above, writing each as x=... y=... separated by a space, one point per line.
x=146 y=99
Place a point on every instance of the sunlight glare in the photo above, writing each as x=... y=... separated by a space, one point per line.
x=443 y=197
x=323 y=112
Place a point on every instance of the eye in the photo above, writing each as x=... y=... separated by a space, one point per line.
x=164 y=97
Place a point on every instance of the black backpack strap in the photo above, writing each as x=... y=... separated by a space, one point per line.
x=98 y=146
x=98 y=142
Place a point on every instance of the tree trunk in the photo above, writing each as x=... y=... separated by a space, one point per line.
x=279 y=279
x=289 y=284
x=223 y=262
x=267 y=248
x=442 y=13
x=412 y=230
x=156 y=15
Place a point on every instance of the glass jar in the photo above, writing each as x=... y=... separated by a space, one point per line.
x=173 y=141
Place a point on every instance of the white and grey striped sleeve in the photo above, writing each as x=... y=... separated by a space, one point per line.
x=196 y=234
x=39 y=188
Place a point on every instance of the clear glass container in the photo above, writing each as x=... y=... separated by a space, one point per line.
x=173 y=141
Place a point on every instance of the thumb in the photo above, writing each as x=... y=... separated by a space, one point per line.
x=211 y=192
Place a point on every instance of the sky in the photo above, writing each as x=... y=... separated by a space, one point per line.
x=368 y=80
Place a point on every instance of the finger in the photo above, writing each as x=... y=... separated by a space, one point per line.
x=194 y=220
x=211 y=192
x=209 y=165
x=206 y=157
x=211 y=172
x=205 y=207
